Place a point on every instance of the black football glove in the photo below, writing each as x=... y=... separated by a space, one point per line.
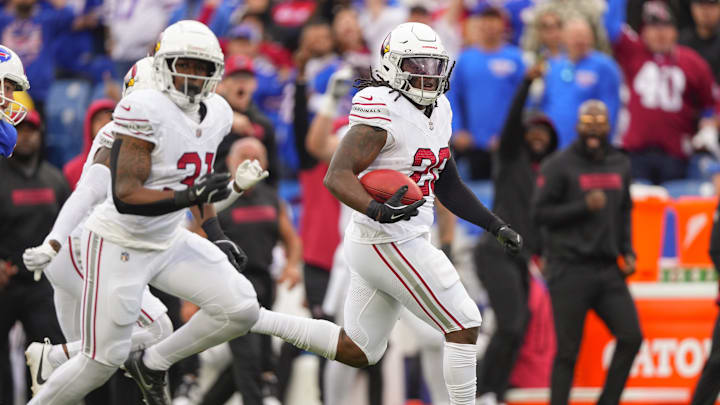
x=235 y=255
x=393 y=210
x=209 y=188
x=509 y=239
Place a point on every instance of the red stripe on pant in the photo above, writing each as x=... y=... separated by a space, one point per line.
x=147 y=316
x=408 y=288
x=72 y=258
x=97 y=287
x=426 y=286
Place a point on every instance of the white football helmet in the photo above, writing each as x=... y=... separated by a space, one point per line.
x=11 y=69
x=187 y=39
x=415 y=62
x=140 y=76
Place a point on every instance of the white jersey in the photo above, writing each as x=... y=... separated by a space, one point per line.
x=416 y=146
x=184 y=150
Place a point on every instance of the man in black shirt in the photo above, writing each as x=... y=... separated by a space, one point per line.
x=704 y=37
x=31 y=195
x=256 y=222
x=583 y=202
x=523 y=145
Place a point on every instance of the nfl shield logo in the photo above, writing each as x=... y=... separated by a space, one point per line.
x=124 y=256
x=430 y=125
x=198 y=133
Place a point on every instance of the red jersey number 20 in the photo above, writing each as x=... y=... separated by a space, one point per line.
x=428 y=167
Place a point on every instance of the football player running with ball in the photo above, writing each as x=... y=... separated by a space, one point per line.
x=400 y=120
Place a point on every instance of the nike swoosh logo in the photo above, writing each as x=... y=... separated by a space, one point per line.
x=200 y=190
x=39 y=378
x=367 y=98
x=125 y=108
x=396 y=216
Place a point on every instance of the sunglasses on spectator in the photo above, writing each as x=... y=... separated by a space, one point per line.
x=593 y=119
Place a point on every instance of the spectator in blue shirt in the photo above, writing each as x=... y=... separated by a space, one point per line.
x=485 y=75
x=81 y=51
x=30 y=29
x=577 y=76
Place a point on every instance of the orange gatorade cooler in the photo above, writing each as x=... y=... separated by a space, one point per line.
x=648 y=224
x=694 y=224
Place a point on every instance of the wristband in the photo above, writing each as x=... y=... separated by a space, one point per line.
x=212 y=229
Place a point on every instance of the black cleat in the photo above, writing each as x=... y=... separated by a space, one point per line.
x=152 y=383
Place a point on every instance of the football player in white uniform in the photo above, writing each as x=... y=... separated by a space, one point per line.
x=12 y=79
x=164 y=141
x=59 y=255
x=401 y=121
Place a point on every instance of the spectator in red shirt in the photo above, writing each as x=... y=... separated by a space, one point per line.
x=671 y=93
x=98 y=114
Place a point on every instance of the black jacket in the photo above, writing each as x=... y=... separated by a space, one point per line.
x=515 y=171
x=574 y=233
x=28 y=208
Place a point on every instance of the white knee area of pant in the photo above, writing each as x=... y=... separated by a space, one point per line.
x=374 y=354
x=115 y=354
x=459 y=370
x=363 y=339
x=239 y=320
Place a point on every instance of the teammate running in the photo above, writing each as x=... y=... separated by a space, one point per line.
x=59 y=256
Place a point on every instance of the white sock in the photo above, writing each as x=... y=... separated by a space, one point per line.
x=315 y=335
x=459 y=363
x=154 y=361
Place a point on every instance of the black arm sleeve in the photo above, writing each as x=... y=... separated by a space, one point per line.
x=212 y=229
x=513 y=132
x=301 y=125
x=461 y=201
x=161 y=207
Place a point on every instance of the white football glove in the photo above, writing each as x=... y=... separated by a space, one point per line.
x=248 y=174
x=36 y=259
x=338 y=87
x=707 y=139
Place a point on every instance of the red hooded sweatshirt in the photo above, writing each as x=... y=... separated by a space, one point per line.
x=73 y=168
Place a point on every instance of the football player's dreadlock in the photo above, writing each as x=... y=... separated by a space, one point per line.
x=376 y=81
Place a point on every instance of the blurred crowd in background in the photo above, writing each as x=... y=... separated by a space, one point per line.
x=284 y=59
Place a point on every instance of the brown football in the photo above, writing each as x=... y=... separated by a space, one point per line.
x=383 y=183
